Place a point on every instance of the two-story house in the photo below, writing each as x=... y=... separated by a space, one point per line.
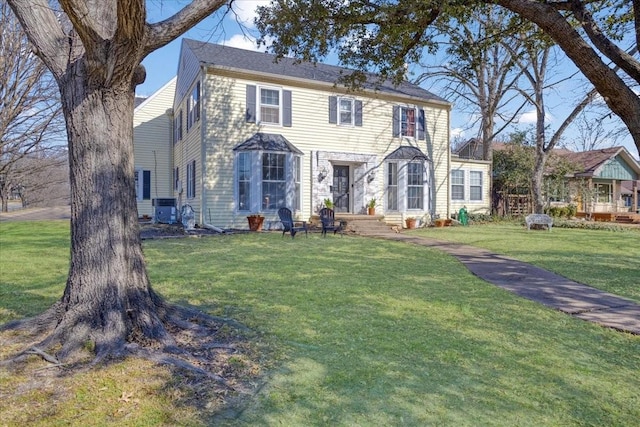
x=237 y=133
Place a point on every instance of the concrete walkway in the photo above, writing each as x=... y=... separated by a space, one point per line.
x=537 y=284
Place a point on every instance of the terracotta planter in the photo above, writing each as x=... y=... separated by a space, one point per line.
x=255 y=222
x=410 y=222
x=371 y=211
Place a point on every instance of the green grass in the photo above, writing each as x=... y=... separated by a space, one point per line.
x=365 y=332
x=606 y=260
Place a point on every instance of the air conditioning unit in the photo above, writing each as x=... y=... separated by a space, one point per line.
x=165 y=211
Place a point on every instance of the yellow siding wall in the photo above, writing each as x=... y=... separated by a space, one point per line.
x=224 y=102
x=152 y=135
x=473 y=207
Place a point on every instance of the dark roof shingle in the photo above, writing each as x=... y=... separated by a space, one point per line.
x=225 y=56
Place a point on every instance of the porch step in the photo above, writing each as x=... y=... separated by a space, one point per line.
x=371 y=225
x=625 y=219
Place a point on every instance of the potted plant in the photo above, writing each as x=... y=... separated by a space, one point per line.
x=328 y=203
x=410 y=222
x=371 y=206
x=255 y=222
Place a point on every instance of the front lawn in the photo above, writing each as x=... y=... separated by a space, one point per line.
x=607 y=260
x=349 y=331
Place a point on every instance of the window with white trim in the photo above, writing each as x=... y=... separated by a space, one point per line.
x=457 y=184
x=475 y=185
x=244 y=181
x=143 y=184
x=268 y=181
x=191 y=179
x=415 y=185
x=176 y=179
x=345 y=113
x=177 y=127
x=408 y=122
x=273 y=181
x=392 y=186
x=297 y=180
x=269 y=106
x=604 y=192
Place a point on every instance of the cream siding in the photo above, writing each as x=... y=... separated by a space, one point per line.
x=312 y=133
x=473 y=206
x=152 y=135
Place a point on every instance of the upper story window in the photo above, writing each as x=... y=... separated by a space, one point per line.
x=193 y=106
x=345 y=111
x=177 y=127
x=408 y=122
x=268 y=105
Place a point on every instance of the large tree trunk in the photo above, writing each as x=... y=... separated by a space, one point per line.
x=537 y=181
x=108 y=295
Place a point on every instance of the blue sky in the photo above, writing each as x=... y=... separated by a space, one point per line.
x=236 y=29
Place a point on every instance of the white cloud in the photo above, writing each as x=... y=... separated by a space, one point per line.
x=530 y=117
x=243 y=42
x=246 y=10
x=457 y=133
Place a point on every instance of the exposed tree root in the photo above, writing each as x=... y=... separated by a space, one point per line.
x=180 y=337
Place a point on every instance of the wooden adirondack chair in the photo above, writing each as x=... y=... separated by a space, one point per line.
x=329 y=223
x=289 y=225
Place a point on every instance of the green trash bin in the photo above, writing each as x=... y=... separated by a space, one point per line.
x=463 y=217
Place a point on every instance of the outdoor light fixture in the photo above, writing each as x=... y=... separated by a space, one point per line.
x=322 y=175
x=371 y=176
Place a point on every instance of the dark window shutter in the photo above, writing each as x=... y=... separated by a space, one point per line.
x=421 y=124
x=358 y=108
x=251 y=104
x=333 y=109
x=146 y=185
x=286 y=108
x=396 y=121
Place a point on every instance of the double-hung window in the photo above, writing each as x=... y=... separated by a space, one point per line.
x=273 y=181
x=244 y=181
x=269 y=106
x=297 y=181
x=457 y=185
x=193 y=106
x=345 y=116
x=415 y=185
x=392 y=186
x=191 y=179
x=475 y=185
x=177 y=127
x=408 y=122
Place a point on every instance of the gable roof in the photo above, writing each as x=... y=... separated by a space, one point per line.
x=591 y=162
x=226 y=57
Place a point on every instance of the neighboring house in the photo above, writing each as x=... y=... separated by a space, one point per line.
x=250 y=135
x=601 y=181
x=600 y=177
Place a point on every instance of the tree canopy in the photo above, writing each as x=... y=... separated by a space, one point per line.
x=382 y=36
